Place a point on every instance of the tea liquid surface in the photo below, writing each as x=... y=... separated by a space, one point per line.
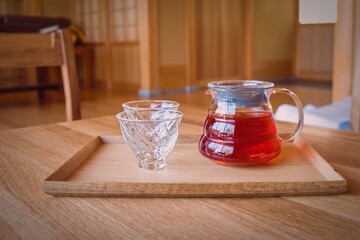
x=242 y=139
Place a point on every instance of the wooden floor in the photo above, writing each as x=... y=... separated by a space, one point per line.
x=23 y=109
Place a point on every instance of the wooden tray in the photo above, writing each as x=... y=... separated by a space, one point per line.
x=105 y=167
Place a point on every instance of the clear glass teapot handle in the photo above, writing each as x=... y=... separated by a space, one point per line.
x=290 y=137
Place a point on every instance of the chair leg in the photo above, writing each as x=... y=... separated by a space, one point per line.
x=42 y=75
x=70 y=79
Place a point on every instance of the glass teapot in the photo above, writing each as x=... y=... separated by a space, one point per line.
x=240 y=129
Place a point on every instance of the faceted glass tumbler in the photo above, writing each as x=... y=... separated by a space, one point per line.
x=150 y=135
x=151 y=104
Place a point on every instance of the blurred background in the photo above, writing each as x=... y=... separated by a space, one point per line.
x=171 y=49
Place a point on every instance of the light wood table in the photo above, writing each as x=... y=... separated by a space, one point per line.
x=29 y=155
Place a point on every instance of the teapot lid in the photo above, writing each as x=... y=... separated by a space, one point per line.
x=242 y=93
x=240 y=84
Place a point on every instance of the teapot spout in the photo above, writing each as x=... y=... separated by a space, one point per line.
x=211 y=92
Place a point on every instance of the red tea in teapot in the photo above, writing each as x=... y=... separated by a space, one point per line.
x=241 y=139
x=240 y=129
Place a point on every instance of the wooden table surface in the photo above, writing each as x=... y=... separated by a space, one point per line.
x=29 y=155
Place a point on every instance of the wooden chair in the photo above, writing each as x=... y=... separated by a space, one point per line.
x=22 y=50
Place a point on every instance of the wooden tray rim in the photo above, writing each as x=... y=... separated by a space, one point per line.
x=56 y=185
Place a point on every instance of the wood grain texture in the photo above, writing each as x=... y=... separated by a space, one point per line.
x=273 y=69
x=29 y=155
x=18 y=50
x=249 y=38
x=148 y=45
x=105 y=167
x=343 y=50
x=40 y=50
x=314 y=51
x=190 y=42
x=172 y=77
x=218 y=31
x=355 y=107
x=85 y=56
x=70 y=77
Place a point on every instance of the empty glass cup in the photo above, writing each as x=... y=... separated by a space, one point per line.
x=150 y=135
x=151 y=104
